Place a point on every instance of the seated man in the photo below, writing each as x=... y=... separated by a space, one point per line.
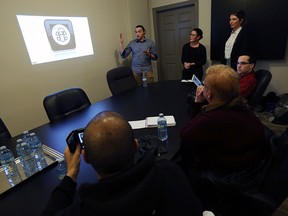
x=223 y=138
x=149 y=187
x=245 y=66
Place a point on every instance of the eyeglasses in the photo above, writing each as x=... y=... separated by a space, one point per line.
x=242 y=63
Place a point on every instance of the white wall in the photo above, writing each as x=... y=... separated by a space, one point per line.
x=23 y=86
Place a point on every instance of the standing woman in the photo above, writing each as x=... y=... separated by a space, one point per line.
x=237 y=42
x=193 y=56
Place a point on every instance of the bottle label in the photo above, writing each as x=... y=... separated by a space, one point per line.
x=8 y=160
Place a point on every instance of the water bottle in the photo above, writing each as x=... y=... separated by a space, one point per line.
x=61 y=168
x=9 y=166
x=18 y=151
x=25 y=136
x=162 y=127
x=37 y=148
x=27 y=158
x=144 y=80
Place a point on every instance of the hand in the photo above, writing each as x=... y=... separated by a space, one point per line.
x=187 y=65
x=73 y=162
x=147 y=52
x=199 y=94
x=121 y=39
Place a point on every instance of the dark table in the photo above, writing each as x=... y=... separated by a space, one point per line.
x=169 y=97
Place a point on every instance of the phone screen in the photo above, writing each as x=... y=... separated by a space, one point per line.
x=196 y=80
x=80 y=136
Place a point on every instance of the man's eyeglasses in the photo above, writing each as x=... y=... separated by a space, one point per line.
x=242 y=63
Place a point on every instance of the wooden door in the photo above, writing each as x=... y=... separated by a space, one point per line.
x=172 y=29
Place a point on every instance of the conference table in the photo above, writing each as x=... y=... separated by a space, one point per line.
x=168 y=97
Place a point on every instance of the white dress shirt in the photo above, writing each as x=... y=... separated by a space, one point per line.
x=230 y=42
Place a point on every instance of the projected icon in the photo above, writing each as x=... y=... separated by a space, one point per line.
x=60 y=34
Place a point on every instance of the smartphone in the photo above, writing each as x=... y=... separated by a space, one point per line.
x=75 y=137
x=196 y=80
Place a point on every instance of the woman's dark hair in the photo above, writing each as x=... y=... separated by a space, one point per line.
x=241 y=16
x=199 y=32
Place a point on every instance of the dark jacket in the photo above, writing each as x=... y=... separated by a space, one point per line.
x=241 y=46
x=149 y=188
x=227 y=138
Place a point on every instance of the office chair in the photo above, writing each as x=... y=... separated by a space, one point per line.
x=63 y=103
x=4 y=132
x=263 y=201
x=120 y=79
x=263 y=78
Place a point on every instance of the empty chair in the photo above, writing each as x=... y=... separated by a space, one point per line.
x=4 y=132
x=263 y=78
x=120 y=79
x=63 y=103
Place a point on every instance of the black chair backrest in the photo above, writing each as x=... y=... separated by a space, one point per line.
x=263 y=78
x=120 y=79
x=275 y=181
x=4 y=132
x=65 y=102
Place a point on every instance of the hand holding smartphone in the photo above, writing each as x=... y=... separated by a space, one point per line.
x=74 y=138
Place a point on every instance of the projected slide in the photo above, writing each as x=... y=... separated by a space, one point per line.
x=49 y=38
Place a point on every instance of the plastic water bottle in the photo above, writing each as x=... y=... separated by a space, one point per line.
x=144 y=80
x=28 y=160
x=37 y=148
x=61 y=168
x=10 y=167
x=18 y=150
x=25 y=136
x=162 y=127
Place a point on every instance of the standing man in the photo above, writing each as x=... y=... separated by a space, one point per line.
x=245 y=69
x=143 y=51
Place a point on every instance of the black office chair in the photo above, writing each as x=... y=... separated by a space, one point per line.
x=263 y=78
x=4 y=132
x=263 y=201
x=63 y=103
x=120 y=79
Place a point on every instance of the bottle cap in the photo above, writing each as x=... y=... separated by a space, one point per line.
x=23 y=144
x=19 y=140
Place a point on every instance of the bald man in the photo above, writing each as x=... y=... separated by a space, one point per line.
x=148 y=187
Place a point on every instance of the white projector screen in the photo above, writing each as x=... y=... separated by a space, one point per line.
x=50 y=38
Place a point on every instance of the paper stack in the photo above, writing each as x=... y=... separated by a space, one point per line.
x=150 y=122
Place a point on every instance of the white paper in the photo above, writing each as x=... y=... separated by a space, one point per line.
x=151 y=122
x=138 y=124
x=186 y=80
